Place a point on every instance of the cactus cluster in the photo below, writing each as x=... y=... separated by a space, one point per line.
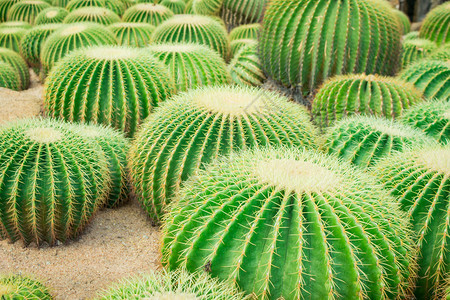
x=117 y=6
x=436 y=26
x=245 y=67
x=10 y=37
x=241 y=12
x=153 y=14
x=18 y=287
x=133 y=34
x=26 y=10
x=51 y=15
x=9 y=77
x=416 y=49
x=92 y=14
x=18 y=64
x=248 y=31
x=176 y=6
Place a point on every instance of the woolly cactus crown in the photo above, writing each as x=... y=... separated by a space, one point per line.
x=51 y=15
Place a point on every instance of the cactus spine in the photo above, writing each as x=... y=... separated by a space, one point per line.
x=92 y=14
x=436 y=25
x=241 y=12
x=19 y=287
x=207 y=7
x=51 y=15
x=18 y=64
x=5 y=5
x=26 y=10
x=441 y=53
x=249 y=31
x=403 y=19
x=245 y=68
x=9 y=78
x=133 y=34
x=10 y=38
x=237 y=45
x=153 y=14
x=414 y=50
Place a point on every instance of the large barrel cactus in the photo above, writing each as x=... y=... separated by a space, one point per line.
x=52 y=181
x=240 y=12
x=414 y=50
x=420 y=180
x=19 y=287
x=10 y=37
x=153 y=14
x=432 y=117
x=9 y=78
x=291 y=224
x=26 y=10
x=248 y=31
x=81 y=90
x=117 y=6
x=245 y=67
x=347 y=95
x=92 y=14
x=364 y=140
x=192 y=65
x=133 y=34
x=305 y=42
x=5 y=5
x=51 y=15
x=18 y=64
x=194 y=128
x=436 y=26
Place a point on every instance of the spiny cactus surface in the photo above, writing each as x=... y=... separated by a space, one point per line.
x=248 y=31
x=18 y=287
x=237 y=45
x=245 y=68
x=16 y=24
x=5 y=5
x=241 y=12
x=10 y=37
x=92 y=14
x=19 y=65
x=415 y=50
x=441 y=53
x=411 y=36
x=117 y=6
x=207 y=7
x=133 y=34
x=9 y=78
x=26 y=10
x=51 y=15
x=153 y=14
x=403 y=19
x=436 y=26
x=176 y=6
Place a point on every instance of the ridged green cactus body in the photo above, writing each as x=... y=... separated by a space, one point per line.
x=432 y=117
x=133 y=34
x=305 y=42
x=60 y=3
x=248 y=31
x=403 y=19
x=117 y=86
x=432 y=77
x=9 y=78
x=5 y=5
x=411 y=36
x=19 y=65
x=240 y=12
x=153 y=14
x=414 y=50
x=442 y=53
x=26 y=10
x=52 y=182
x=207 y=7
x=364 y=140
x=347 y=95
x=192 y=65
x=10 y=38
x=18 y=287
x=71 y=37
x=194 y=128
x=420 y=180
x=245 y=68
x=16 y=24
x=117 y=6
x=194 y=29
x=175 y=285
x=92 y=14
x=51 y=15
x=237 y=45
x=436 y=26
x=291 y=224
x=176 y=6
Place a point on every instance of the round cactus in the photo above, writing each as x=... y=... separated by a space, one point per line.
x=347 y=95
x=9 y=78
x=71 y=37
x=10 y=38
x=288 y=224
x=5 y=5
x=194 y=29
x=60 y=3
x=436 y=26
x=363 y=140
x=192 y=65
x=194 y=128
x=302 y=45
x=173 y=285
x=411 y=36
x=414 y=50
x=117 y=6
x=403 y=19
x=245 y=68
x=51 y=15
x=18 y=64
x=80 y=90
x=207 y=7
x=420 y=180
x=441 y=53
x=150 y=13
x=53 y=181
x=240 y=12
x=432 y=77
x=248 y=31
x=237 y=45
x=19 y=287
x=176 y=6
x=133 y=34
x=432 y=117
x=16 y=24
x=92 y=14
x=26 y=10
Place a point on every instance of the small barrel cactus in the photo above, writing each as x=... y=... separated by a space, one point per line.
x=240 y=12
x=9 y=78
x=304 y=42
x=420 y=180
x=71 y=37
x=207 y=7
x=248 y=31
x=347 y=95
x=10 y=37
x=19 y=287
x=5 y=5
x=153 y=14
x=432 y=77
x=194 y=29
x=289 y=224
x=176 y=6
x=414 y=50
x=173 y=285
x=16 y=24
x=441 y=53
x=117 y=6
x=237 y=45
x=19 y=65
x=133 y=34
x=432 y=117
x=135 y=83
x=53 y=181
x=245 y=68
x=194 y=128
x=192 y=65
x=411 y=36
x=436 y=26
x=51 y=15
x=92 y=14
x=26 y=10
x=403 y=19
x=363 y=140
x=60 y=3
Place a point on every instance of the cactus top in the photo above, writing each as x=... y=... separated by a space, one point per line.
x=44 y=135
x=437 y=160
x=74 y=29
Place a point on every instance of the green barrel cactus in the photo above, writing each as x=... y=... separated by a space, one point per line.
x=245 y=68
x=18 y=287
x=431 y=117
x=60 y=3
x=133 y=34
x=10 y=37
x=5 y=5
x=191 y=65
x=248 y=31
x=363 y=140
x=432 y=77
x=207 y=7
x=196 y=127
x=411 y=36
x=414 y=50
x=26 y=10
x=347 y=95
x=92 y=14
x=71 y=37
x=18 y=64
x=117 y=86
x=441 y=53
x=304 y=42
x=241 y=12
x=153 y=14
x=178 y=284
x=176 y=6
x=52 y=181
x=117 y=6
x=194 y=29
x=420 y=180
x=9 y=78
x=436 y=26
x=291 y=224
x=16 y=24
x=237 y=45
x=403 y=19
x=51 y=15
